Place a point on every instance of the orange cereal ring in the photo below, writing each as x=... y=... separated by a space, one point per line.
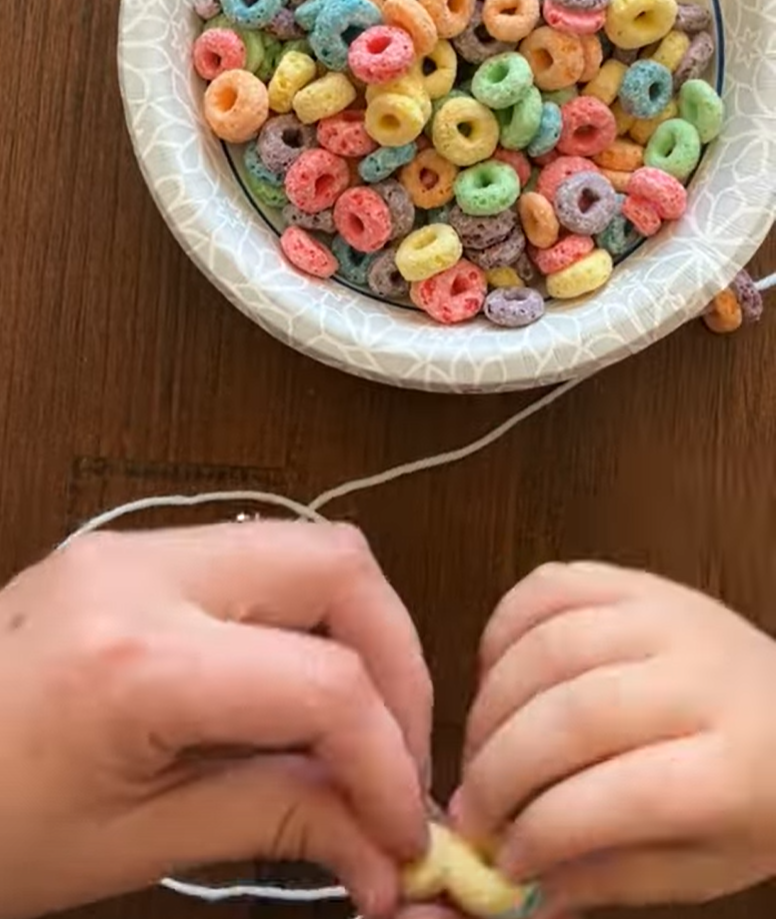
x=413 y=18
x=538 y=219
x=450 y=17
x=622 y=155
x=510 y=20
x=556 y=58
x=429 y=179
x=592 y=57
x=236 y=106
x=724 y=314
x=619 y=180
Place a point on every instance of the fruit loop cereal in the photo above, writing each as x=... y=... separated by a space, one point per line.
x=466 y=156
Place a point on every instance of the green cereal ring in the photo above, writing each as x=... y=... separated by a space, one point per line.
x=561 y=96
x=703 y=108
x=267 y=193
x=519 y=124
x=487 y=188
x=272 y=54
x=675 y=148
x=502 y=80
x=296 y=44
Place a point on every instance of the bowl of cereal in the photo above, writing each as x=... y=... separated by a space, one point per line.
x=462 y=196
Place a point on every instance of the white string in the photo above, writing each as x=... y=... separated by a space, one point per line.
x=255 y=891
x=765 y=283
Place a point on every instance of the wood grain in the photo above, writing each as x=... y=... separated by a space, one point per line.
x=123 y=373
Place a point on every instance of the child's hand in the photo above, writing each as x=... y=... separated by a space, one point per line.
x=162 y=705
x=622 y=740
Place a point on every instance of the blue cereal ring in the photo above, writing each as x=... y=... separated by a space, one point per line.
x=354 y=265
x=620 y=236
x=379 y=165
x=646 y=89
x=549 y=131
x=251 y=15
x=519 y=123
x=256 y=168
x=307 y=14
x=338 y=23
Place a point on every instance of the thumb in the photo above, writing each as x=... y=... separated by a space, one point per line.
x=274 y=808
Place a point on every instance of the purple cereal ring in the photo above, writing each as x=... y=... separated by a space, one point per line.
x=749 y=297
x=482 y=232
x=400 y=206
x=514 y=307
x=384 y=278
x=695 y=60
x=501 y=254
x=475 y=44
x=526 y=269
x=207 y=9
x=626 y=56
x=585 y=203
x=588 y=6
x=284 y=26
x=692 y=18
x=282 y=140
x=321 y=222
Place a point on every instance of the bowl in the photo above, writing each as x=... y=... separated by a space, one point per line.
x=666 y=282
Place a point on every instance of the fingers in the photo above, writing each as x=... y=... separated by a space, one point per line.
x=549 y=590
x=555 y=651
x=659 y=793
x=300 y=576
x=278 y=809
x=223 y=684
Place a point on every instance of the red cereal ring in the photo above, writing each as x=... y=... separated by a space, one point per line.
x=667 y=195
x=345 y=135
x=578 y=22
x=588 y=127
x=566 y=252
x=517 y=160
x=363 y=219
x=316 y=179
x=453 y=295
x=381 y=54
x=642 y=214
x=547 y=158
x=559 y=170
x=307 y=254
x=217 y=50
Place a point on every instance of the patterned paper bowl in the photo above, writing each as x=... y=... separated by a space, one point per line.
x=666 y=282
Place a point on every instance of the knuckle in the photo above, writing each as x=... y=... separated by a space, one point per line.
x=547 y=649
x=350 y=546
x=344 y=684
x=87 y=554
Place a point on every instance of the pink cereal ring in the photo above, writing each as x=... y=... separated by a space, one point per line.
x=642 y=214
x=566 y=252
x=578 y=22
x=363 y=219
x=217 y=50
x=453 y=295
x=381 y=54
x=316 y=179
x=345 y=134
x=588 y=127
x=307 y=254
x=663 y=191
x=559 y=170
x=547 y=158
x=517 y=160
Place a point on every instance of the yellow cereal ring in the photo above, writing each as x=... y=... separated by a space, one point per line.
x=413 y=18
x=623 y=120
x=443 y=59
x=581 y=277
x=428 y=251
x=622 y=155
x=644 y=128
x=619 y=180
x=464 y=131
x=724 y=313
x=429 y=179
x=393 y=120
x=323 y=98
x=592 y=57
x=294 y=71
x=636 y=23
x=605 y=85
x=672 y=50
x=235 y=105
x=504 y=277
x=411 y=85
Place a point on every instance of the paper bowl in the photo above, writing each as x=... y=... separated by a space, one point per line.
x=667 y=281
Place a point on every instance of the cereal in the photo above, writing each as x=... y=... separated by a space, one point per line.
x=569 y=19
x=703 y=108
x=323 y=98
x=556 y=58
x=454 y=295
x=646 y=89
x=293 y=73
x=502 y=81
x=257 y=169
x=207 y=9
x=282 y=141
x=636 y=23
x=510 y=20
x=482 y=232
x=464 y=131
x=235 y=105
x=487 y=188
x=476 y=44
x=271 y=52
x=285 y=27
x=320 y=222
x=724 y=313
x=450 y=18
x=506 y=276
x=394 y=120
x=561 y=96
x=429 y=179
x=501 y=254
x=675 y=148
x=623 y=121
x=619 y=237
x=441 y=65
x=385 y=161
x=605 y=85
x=588 y=127
x=748 y=296
x=384 y=279
x=592 y=57
x=582 y=277
x=251 y=15
x=307 y=253
x=695 y=59
x=337 y=19
x=316 y=179
x=618 y=179
x=665 y=193
x=400 y=205
x=585 y=203
x=548 y=133
x=672 y=50
x=553 y=175
x=564 y=253
x=692 y=18
x=344 y=134
x=217 y=50
x=428 y=251
x=411 y=16
x=517 y=160
x=622 y=155
x=381 y=54
x=363 y=219
x=514 y=307
x=354 y=266
x=641 y=129
x=642 y=215
x=538 y=219
x=519 y=124
x=267 y=193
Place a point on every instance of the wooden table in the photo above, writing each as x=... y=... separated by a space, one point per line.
x=123 y=373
